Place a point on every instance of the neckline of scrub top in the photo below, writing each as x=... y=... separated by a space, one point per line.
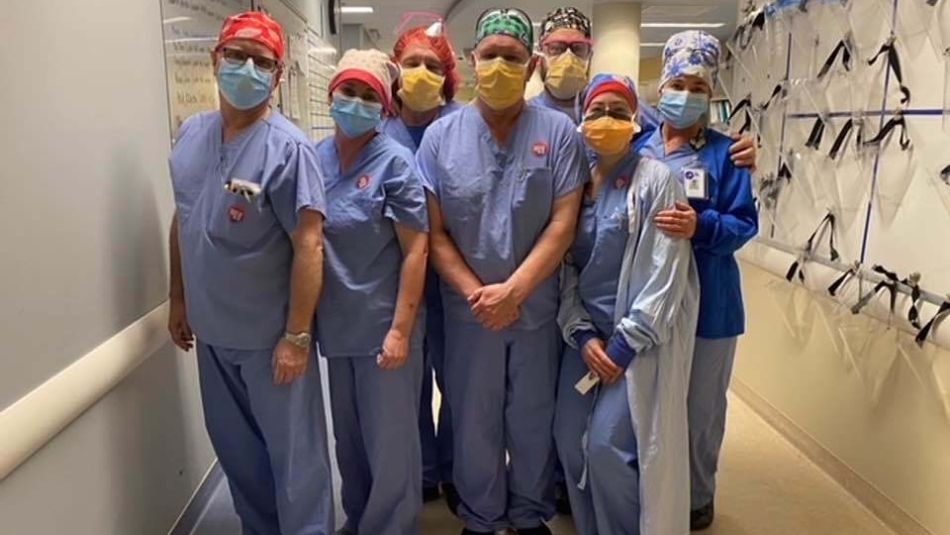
x=611 y=178
x=513 y=136
x=656 y=139
x=218 y=131
x=337 y=173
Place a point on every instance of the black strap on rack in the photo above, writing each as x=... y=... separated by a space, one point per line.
x=913 y=315
x=843 y=279
x=785 y=172
x=841 y=139
x=779 y=90
x=945 y=175
x=894 y=61
x=745 y=32
x=817 y=133
x=844 y=49
x=897 y=120
x=890 y=283
x=797 y=266
x=934 y=322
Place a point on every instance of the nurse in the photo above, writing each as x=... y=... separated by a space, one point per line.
x=376 y=243
x=719 y=219
x=566 y=51
x=427 y=85
x=505 y=184
x=246 y=262
x=630 y=296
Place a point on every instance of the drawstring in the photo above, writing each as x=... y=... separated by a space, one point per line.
x=895 y=63
x=934 y=322
x=843 y=279
x=843 y=48
x=890 y=283
x=897 y=120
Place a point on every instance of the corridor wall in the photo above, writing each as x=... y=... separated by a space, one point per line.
x=853 y=390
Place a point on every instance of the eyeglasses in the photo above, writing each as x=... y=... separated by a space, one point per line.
x=619 y=114
x=581 y=48
x=239 y=57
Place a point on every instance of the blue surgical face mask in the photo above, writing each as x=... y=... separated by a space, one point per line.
x=244 y=86
x=354 y=116
x=682 y=109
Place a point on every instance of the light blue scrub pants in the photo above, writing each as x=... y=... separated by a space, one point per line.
x=708 y=383
x=436 y=443
x=604 y=483
x=377 y=443
x=270 y=440
x=501 y=387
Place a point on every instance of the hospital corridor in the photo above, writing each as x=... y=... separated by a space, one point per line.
x=442 y=267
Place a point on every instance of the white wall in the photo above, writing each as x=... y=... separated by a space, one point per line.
x=85 y=211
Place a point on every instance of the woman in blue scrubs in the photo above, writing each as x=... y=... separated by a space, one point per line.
x=427 y=83
x=630 y=296
x=719 y=219
x=376 y=243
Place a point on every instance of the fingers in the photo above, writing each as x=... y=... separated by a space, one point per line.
x=683 y=207
x=476 y=296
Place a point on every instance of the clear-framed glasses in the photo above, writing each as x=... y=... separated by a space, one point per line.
x=239 y=57
x=581 y=48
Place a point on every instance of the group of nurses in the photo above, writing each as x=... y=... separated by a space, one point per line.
x=427 y=84
x=367 y=328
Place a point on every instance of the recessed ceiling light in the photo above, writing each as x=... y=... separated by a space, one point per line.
x=683 y=24
x=357 y=10
x=652 y=45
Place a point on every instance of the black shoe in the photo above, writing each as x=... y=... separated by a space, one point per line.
x=562 y=503
x=540 y=530
x=467 y=531
x=430 y=494
x=700 y=519
x=452 y=498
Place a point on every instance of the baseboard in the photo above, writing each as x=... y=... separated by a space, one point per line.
x=867 y=494
x=191 y=515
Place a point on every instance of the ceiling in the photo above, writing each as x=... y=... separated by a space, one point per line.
x=461 y=16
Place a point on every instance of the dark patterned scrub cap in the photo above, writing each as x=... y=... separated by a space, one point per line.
x=505 y=21
x=565 y=18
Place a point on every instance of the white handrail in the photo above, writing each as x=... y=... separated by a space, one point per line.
x=35 y=419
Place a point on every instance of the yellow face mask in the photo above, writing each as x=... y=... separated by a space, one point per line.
x=608 y=136
x=500 y=83
x=567 y=75
x=421 y=89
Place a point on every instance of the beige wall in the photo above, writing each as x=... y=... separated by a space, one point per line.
x=878 y=420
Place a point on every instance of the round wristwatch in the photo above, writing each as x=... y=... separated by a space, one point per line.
x=301 y=340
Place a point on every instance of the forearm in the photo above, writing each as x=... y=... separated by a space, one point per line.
x=412 y=279
x=450 y=265
x=543 y=259
x=306 y=281
x=176 y=286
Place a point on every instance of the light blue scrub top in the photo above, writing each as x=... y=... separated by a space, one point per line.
x=496 y=202
x=362 y=251
x=236 y=254
x=598 y=250
x=395 y=128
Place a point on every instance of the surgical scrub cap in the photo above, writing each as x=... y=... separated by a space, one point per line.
x=505 y=21
x=434 y=39
x=565 y=18
x=691 y=53
x=610 y=83
x=254 y=26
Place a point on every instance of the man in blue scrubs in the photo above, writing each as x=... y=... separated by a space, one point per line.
x=504 y=181
x=246 y=271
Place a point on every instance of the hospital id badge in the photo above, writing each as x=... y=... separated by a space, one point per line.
x=590 y=380
x=696 y=184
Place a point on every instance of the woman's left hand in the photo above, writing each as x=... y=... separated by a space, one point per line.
x=680 y=222
x=743 y=152
x=395 y=351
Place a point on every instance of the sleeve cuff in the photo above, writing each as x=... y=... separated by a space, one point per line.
x=620 y=352
x=704 y=226
x=582 y=337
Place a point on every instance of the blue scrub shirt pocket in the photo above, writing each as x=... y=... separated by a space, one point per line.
x=464 y=200
x=238 y=221
x=534 y=191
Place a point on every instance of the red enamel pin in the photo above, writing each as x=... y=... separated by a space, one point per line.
x=363 y=182
x=236 y=214
x=540 y=149
x=621 y=182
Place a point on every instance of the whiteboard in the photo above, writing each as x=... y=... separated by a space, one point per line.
x=191 y=30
